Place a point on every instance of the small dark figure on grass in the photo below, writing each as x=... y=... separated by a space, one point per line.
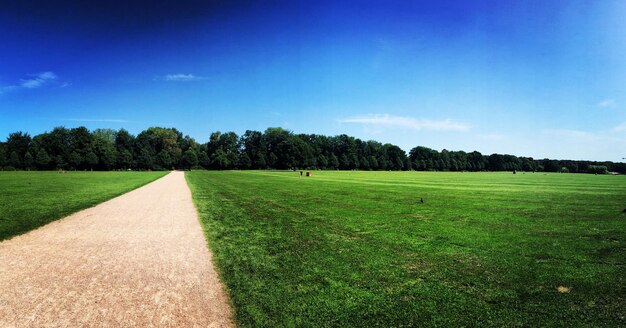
x=300 y=173
x=421 y=200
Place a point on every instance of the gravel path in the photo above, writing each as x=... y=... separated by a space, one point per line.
x=138 y=260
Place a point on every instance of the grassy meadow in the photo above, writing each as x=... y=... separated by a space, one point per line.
x=29 y=200
x=360 y=249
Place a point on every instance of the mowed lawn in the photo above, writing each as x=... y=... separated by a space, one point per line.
x=360 y=249
x=29 y=200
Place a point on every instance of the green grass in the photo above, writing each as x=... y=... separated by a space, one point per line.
x=29 y=200
x=359 y=249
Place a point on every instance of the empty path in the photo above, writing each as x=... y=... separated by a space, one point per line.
x=138 y=260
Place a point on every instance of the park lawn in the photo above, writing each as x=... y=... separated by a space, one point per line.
x=360 y=249
x=29 y=200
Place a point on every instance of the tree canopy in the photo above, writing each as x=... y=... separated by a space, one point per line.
x=276 y=148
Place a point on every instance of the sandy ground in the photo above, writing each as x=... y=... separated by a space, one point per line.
x=139 y=260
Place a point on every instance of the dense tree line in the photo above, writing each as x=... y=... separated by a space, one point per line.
x=276 y=148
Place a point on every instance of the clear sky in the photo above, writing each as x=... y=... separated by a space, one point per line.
x=530 y=78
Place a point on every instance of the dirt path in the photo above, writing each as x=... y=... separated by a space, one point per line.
x=139 y=260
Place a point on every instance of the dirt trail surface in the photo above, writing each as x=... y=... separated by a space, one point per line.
x=138 y=260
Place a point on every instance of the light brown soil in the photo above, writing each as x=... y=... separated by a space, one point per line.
x=139 y=260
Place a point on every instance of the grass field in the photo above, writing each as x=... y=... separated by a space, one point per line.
x=29 y=200
x=360 y=249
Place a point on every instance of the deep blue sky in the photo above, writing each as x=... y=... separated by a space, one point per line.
x=531 y=78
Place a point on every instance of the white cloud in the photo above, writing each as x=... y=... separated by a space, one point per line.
x=182 y=77
x=34 y=81
x=607 y=103
x=386 y=120
x=38 y=80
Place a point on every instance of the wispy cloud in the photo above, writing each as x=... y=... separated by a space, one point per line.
x=607 y=103
x=34 y=81
x=620 y=128
x=182 y=77
x=38 y=80
x=386 y=120
x=108 y=120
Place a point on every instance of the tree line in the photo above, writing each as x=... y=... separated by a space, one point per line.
x=166 y=148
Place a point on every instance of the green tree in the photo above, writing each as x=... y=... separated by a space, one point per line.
x=344 y=162
x=333 y=162
x=373 y=162
x=28 y=160
x=92 y=159
x=273 y=159
x=164 y=159
x=42 y=159
x=408 y=166
x=14 y=160
x=60 y=162
x=3 y=155
x=261 y=161
x=108 y=158
x=244 y=161
x=124 y=158
x=75 y=159
x=145 y=159
x=322 y=161
x=190 y=158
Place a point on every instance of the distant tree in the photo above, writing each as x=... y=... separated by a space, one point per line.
x=261 y=161
x=322 y=161
x=245 y=162
x=220 y=160
x=273 y=160
x=164 y=159
x=364 y=164
x=28 y=160
x=598 y=169
x=124 y=141
x=145 y=159
x=124 y=158
x=17 y=142
x=551 y=165
x=107 y=149
x=60 y=162
x=354 y=162
x=108 y=158
x=92 y=159
x=408 y=166
x=333 y=162
x=344 y=162
x=42 y=159
x=373 y=162
x=190 y=158
x=75 y=159
x=203 y=158
x=14 y=160
x=3 y=155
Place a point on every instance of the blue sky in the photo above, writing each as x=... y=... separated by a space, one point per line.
x=530 y=78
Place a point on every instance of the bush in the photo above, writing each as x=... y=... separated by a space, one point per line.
x=598 y=169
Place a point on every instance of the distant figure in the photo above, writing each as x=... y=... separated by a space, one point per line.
x=624 y=211
x=300 y=173
x=421 y=200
